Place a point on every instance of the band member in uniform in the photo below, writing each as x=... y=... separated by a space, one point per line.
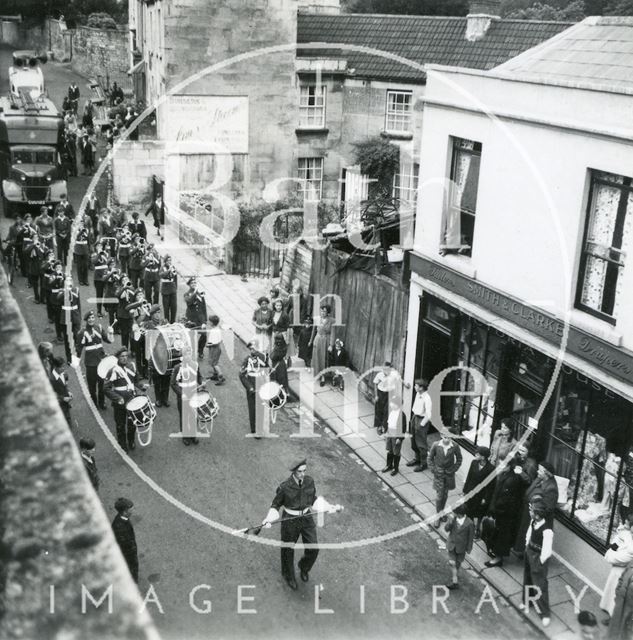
x=169 y=290
x=63 y=227
x=66 y=207
x=161 y=382
x=92 y=211
x=91 y=340
x=70 y=316
x=196 y=313
x=296 y=495
x=59 y=380
x=151 y=275
x=125 y=242
x=119 y=218
x=253 y=365
x=137 y=226
x=25 y=240
x=36 y=255
x=112 y=278
x=137 y=256
x=120 y=388
x=125 y=294
x=139 y=313
x=45 y=227
x=57 y=290
x=81 y=252
x=47 y=275
x=107 y=232
x=100 y=265
x=185 y=381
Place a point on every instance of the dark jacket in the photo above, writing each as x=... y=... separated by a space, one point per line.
x=126 y=539
x=508 y=493
x=479 y=503
x=91 y=469
x=292 y=496
x=196 y=307
x=460 y=538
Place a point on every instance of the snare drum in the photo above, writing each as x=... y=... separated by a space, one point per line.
x=141 y=413
x=273 y=395
x=167 y=350
x=205 y=406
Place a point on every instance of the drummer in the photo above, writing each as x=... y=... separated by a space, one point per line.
x=185 y=381
x=160 y=382
x=91 y=339
x=254 y=364
x=120 y=388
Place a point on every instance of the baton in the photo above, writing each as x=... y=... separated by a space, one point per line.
x=256 y=530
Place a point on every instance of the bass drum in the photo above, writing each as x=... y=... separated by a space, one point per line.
x=167 y=350
x=106 y=365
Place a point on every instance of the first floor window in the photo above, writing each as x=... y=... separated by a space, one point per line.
x=399 y=111
x=312 y=105
x=607 y=235
x=311 y=175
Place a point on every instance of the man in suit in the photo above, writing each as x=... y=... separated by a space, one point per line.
x=461 y=533
x=87 y=450
x=59 y=380
x=124 y=534
x=444 y=459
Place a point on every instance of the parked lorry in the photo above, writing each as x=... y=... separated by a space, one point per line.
x=31 y=143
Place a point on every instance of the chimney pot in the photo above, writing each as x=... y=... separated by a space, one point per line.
x=479 y=18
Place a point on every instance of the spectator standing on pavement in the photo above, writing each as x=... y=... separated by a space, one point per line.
x=279 y=370
x=386 y=386
x=420 y=421
x=214 y=345
x=395 y=434
x=477 y=505
x=124 y=534
x=263 y=321
x=169 y=290
x=196 y=313
x=618 y=555
x=280 y=321
x=461 y=534
x=502 y=444
x=87 y=450
x=322 y=341
x=544 y=487
x=444 y=459
x=539 y=540
x=116 y=94
x=621 y=625
x=504 y=508
x=304 y=349
x=45 y=351
x=59 y=380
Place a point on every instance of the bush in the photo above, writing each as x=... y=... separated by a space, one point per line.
x=101 y=20
x=380 y=160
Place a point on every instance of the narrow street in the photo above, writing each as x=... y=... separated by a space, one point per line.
x=231 y=480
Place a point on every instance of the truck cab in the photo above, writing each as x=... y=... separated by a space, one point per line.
x=26 y=74
x=31 y=141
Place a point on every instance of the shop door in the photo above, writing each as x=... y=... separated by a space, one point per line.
x=523 y=407
x=436 y=358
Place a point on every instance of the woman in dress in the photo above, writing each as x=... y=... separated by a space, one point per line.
x=280 y=321
x=322 y=342
x=618 y=555
x=263 y=320
x=502 y=444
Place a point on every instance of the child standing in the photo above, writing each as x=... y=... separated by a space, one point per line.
x=214 y=344
x=303 y=346
x=461 y=533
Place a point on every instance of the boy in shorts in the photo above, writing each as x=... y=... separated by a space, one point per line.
x=214 y=345
x=461 y=533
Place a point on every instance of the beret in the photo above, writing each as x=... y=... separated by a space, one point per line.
x=90 y=313
x=295 y=466
x=548 y=466
x=155 y=308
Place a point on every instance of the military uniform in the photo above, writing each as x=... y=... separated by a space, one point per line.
x=91 y=339
x=100 y=264
x=137 y=256
x=196 y=315
x=124 y=250
x=151 y=277
x=81 y=251
x=185 y=382
x=120 y=386
x=63 y=227
x=295 y=496
x=169 y=293
x=252 y=366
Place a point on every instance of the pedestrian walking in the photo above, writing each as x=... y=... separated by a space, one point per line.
x=444 y=459
x=214 y=347
x=544 y=487
x=263 y=321
x=539 y=540
x=125 y=536
x=253 y=365
x=87 y=450
x=502 y=444
x=508 y=494
x=196 y=313
x=395 y=434
x=477 y=505
x=120 y=387
x=157 y=209
x=421 y=413
x=169 y=290
x=322 y=342
x=59 y=380
x=296 y=495
x=618 y=555
x=461 y=534
x=90 y=339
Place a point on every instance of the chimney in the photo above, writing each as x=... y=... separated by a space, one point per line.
x=320 y=6
x=480 y=15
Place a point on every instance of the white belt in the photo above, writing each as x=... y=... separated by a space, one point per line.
x=81 y=242
x=69 y=308
x=293 y=512
x=93 y=346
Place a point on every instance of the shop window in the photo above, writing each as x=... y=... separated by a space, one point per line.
x=607 y=237
x=459 y=217
x=312 y=100
x=590 y=436
x=310 y=172
x=399 y=111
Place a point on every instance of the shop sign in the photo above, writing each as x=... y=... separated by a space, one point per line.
x=614 y=361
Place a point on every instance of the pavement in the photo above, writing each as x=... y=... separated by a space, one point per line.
x=234 y=300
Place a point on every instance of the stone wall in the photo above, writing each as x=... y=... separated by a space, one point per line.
x=53 y=530
x=133 y=165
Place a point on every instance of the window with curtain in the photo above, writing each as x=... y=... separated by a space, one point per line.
x=312 y=105
x=459 y=219
x=399 y=111
x=405 y=184
x=310 y=172
x=607 y=237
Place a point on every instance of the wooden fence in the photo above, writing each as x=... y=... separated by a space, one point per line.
x=374 y=311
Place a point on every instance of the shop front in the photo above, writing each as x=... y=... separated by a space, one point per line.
x=573 y=420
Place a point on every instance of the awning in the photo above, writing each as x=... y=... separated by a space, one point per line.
x=136 y=67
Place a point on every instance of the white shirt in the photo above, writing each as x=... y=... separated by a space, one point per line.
x=548 y=539
x=214 y=336
x=422 y=406
x=387 y=382
x=393 y=421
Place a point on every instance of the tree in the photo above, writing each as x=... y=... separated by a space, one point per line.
x=618 y=8
x=538 y=11
x=380 y=160
x=410 y=7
